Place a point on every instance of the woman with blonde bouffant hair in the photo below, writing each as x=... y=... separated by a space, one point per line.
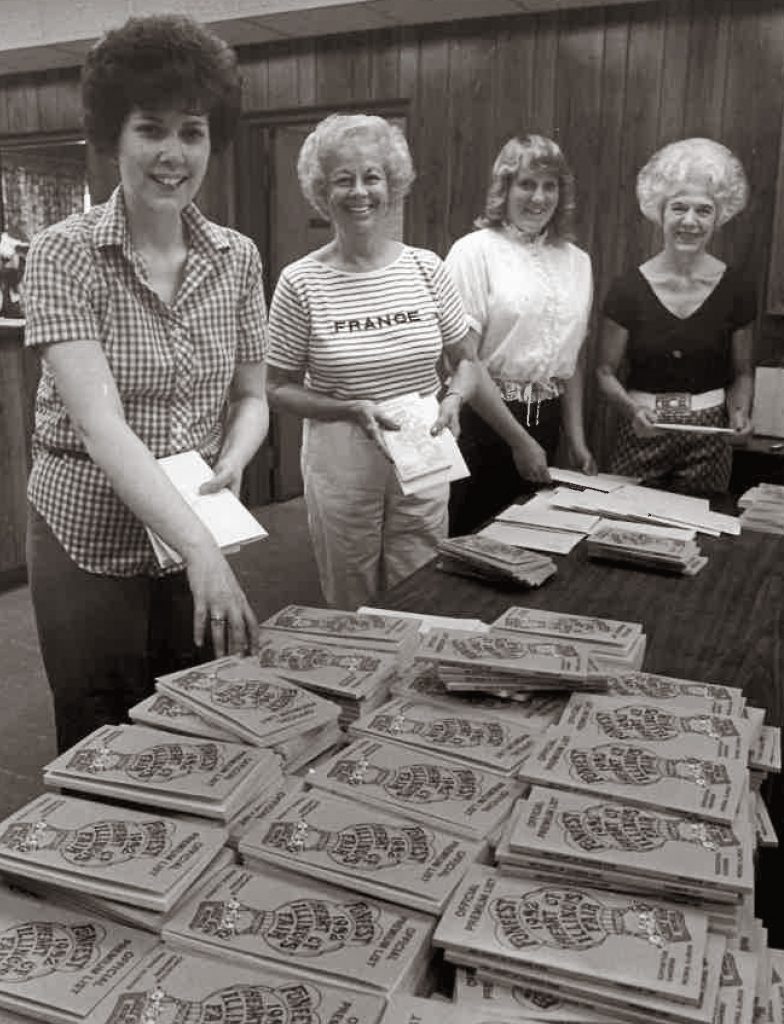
x=682 y=322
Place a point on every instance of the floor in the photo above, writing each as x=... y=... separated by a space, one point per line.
x=277 y=571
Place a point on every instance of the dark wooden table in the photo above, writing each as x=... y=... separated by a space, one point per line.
x=722 y=626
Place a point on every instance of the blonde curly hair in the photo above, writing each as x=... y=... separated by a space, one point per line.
x=327 y=138
x=693 y=162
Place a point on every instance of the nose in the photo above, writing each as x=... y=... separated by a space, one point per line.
x=171 y=149
x=689 y=216
x=358 y=185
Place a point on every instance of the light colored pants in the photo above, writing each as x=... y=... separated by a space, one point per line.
x=367 y=535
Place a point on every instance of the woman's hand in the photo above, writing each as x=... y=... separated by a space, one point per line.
x=373 y=422
x=219 y=605
x=448 y=414
x=531 y=461
x=582 y=459
x=226 y=473
x=740 y=421
x=644 y=422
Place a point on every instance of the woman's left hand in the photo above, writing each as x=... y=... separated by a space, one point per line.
x=582 y=459
x=225 y=474
x=448 y=415
x=740 y=421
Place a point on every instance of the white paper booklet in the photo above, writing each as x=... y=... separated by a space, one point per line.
x=224 y=515
x=556 y=542
x=421 y=460
x=606 y=482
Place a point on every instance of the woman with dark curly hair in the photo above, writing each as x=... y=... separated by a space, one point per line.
x=527 y=291
x=682 y=321
x=150 y=321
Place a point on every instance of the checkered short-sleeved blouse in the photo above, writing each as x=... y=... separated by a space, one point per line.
x=173 y=365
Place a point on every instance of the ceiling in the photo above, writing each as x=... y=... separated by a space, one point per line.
x=39 y=34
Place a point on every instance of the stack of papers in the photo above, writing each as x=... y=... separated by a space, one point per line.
x=482 y=558
x=629 y=544
x=57 y=964
x=608 y=643
x=420 y=459
x=616 y=845
x=361 y=848
x=370 y=631
x=257 y=706
x=469 y=735
x=172 y=986
x=643 y=959
x=418 y=785
x=687 y=693
x=224 y=515
x=130 y=763
x=763 y=508
x=308 y=929
x=497 y=660
x=355 y=678
x=131 y=856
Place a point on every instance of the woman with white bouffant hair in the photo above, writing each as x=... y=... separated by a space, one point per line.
x=682 y=321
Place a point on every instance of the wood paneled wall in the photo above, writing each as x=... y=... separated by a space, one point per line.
x=612 y=84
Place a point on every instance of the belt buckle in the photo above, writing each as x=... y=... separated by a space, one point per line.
x=673 y=404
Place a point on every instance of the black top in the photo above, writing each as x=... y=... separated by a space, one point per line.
x=671 y=353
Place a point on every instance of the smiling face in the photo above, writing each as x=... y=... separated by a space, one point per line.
x=162 y=157
x=357 y=192
x=688 y=221
x=532 y=200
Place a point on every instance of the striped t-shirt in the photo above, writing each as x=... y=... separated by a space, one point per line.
x=371 y=335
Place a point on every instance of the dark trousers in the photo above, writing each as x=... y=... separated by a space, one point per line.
x=494 y=482
x=103 y=639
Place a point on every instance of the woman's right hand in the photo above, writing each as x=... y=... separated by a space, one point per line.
x=373 y=422
x=219 y=604
x=531 y=461
x=644 y=422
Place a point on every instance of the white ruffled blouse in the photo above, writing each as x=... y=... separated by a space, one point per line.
x=529 y=302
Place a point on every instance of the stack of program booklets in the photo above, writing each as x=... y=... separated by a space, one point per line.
x=763 y=508
x=305 y=928
x=163 y=712
x=711 y=698
x=58 y=964
x=361 y=848
x=608 y=643
x=647 y=547
x=256 y=706
x=493 y=561
x=489 y=1000
x=419 y=785
x=673 y=773
x=538 y=710
x=632 y=958
x=421 y=459
x=356 y=678
x=171 y=986
x=497 y=660
x=370 y=631
x=139 y=857
x=470 y=735
x=134 y=764
x=555 y=835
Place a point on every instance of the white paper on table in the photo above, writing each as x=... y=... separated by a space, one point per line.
x=553 y=541
x=605 y=482
x=224 y=515
x=547 y=517
x=421 y=460
x=694 y=428
x=428 y=622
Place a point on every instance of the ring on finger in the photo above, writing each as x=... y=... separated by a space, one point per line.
x=217 y=619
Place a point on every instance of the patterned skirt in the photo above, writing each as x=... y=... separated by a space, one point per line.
x=687 y=463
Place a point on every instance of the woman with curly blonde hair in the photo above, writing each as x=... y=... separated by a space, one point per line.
x=527 y=290
x=682 y=321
